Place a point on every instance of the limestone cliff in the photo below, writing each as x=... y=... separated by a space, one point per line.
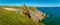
x=32 y=13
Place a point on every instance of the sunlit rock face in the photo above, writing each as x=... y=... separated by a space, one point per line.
x=32 y=13
x=37 y=16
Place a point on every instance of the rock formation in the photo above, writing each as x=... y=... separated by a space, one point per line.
x=32 y=14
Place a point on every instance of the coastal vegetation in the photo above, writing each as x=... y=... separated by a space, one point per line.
x=13 y=18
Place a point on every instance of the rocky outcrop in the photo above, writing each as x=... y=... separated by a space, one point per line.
x=32 y=13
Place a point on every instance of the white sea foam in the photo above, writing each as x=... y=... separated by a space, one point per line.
x=48 y=16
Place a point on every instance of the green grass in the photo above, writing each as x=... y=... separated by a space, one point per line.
x=14 y=18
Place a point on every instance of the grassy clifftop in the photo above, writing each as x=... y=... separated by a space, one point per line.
x=14 y=18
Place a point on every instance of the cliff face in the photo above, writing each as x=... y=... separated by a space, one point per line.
x=32 y=13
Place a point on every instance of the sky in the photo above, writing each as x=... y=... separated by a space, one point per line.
x=36 y=3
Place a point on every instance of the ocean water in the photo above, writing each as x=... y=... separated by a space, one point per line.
x=53 y=15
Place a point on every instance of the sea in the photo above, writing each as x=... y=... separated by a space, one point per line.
x=52 y=15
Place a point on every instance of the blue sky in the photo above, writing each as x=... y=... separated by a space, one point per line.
x=37 y=3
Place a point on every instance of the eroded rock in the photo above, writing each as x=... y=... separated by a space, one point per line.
x=35 y=15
